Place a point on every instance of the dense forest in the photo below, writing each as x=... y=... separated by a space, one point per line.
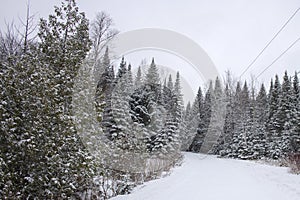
x=256 y=125
x=141 y=120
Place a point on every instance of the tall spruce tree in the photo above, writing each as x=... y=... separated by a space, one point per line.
x=226 y=138
x=216 y=124
x=237 y=113
x=170 y=83
x=295 y=135
x=122 y=68
x=285 y=115
x=274 y=125
x=198 y=124
x=138 y=78
x=258 y=129
x=152 y=76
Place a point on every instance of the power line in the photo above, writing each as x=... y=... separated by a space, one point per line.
x=278 y=57
x=268 y=44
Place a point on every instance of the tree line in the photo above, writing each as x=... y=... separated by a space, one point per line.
x=263 y=125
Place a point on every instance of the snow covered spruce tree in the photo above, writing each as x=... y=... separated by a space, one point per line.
x=193 y=126
x=156 y=110
x=286 y=115
x=203 y=107
x=215 y=129
x=237 y=113
x=121 y=132
x=138 y=79
x=273 y=123
x=226 y=137
x=295 y=132
x=104 y=86
x=184 y=129
x=258 y=129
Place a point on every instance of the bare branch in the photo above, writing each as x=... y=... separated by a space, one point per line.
x=102 y=32
x=28 y=35
x=10 y=43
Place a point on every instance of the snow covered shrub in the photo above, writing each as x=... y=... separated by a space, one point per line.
x=111 y=183
x=294 y=162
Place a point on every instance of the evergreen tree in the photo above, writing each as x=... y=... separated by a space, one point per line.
x=228 y=123
x=64 y=43
x=105 y=88
x=197 y=126
x=138 y=78
x=152 y=76
x=130 y=79
x=120 y=133
x=285 y=115
x=170 y=83
x=237 y=113
x=262 y=105
x=242 y=129
x=275 y=98
x=185 y=130
x=101 y=65
x=104 y=85
x=274 y=125
x=215 y=131
x=258 y=128
x=179 y=97
x=295 y=135
x=46 y=158
x=122 y=69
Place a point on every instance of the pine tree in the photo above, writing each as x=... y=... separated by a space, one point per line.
x=215 y=134
x=122 y=69
x=262 y=105
x=105 y=88
x=167 y=94
x=101 y=65
x=242 y=129
x=170 y=83
x=295 y=135
x=274 y=125
x=237 y=113
x=130 y=79
x=179 y=97
x=285 y=115
x=197 y=126
x=104 y=85
x=152 y=76
x=185 y=130
x=228 y=123
x=138 y=78
x=120 y=133
x=275 y=99
x=259 y=124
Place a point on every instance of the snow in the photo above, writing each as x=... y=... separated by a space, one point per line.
x=211 y=178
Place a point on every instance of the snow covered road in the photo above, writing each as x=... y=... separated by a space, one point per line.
x=210 y=178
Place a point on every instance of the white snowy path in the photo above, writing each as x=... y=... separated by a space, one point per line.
x=211 y=178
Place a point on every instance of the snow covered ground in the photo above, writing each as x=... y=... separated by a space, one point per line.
x=210 y=178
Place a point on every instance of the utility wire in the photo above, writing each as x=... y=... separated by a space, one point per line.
x=268 y=44
x=278 y=57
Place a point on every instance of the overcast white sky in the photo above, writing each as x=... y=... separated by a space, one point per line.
x=232 y=32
